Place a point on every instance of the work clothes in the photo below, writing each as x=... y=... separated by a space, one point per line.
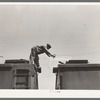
x=35 y=51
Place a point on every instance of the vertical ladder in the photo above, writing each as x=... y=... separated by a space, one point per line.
x=21 y=79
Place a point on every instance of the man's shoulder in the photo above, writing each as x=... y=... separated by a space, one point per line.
x=42 y=46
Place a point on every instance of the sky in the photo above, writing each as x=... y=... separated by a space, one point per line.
x=72 y=30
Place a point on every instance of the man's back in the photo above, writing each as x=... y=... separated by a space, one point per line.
x=39 y=49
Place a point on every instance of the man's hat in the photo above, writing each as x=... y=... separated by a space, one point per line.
x=48 y=46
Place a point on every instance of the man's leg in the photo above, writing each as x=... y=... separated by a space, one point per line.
x=36 y=61
x=32 y=56
x=31 y=60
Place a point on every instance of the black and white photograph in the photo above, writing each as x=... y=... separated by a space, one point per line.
x=50 y=46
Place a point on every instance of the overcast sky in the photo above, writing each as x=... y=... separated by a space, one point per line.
x=72 y=30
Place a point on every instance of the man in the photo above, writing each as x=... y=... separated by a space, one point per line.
x=36 y=50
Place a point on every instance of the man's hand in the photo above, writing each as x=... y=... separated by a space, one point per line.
x=53 y=55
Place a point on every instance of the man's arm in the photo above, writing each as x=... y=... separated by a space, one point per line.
x=48 y=53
